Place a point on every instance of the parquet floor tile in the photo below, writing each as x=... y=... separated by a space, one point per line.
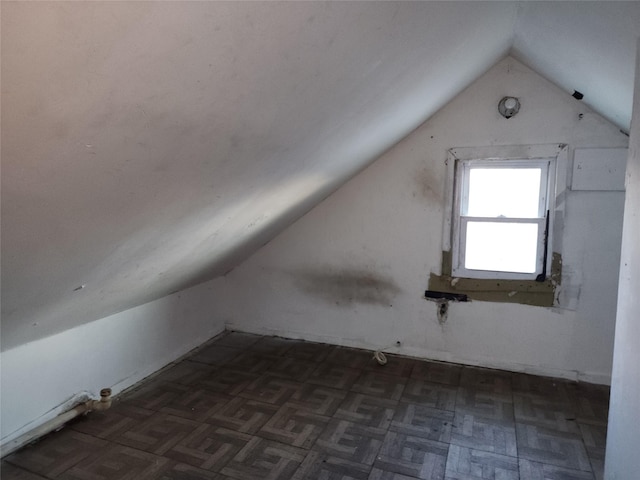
x=182 y=471
x=196 y=404
x=318 y=399
x=251 y=362
x=378 y=474
x=318 y=465
x=539 y=471
x=469 y=464
x=270 y=389
x=229 y=381
x=118 y=463
x=413 y=456
x=11 y=472
x=430 y=394
x=158 y=434
x=551 y=388
x=487 y=380
x=249 y=407
x=209 y=447
x=552 y=447
x=333 y=375
x=294 y=426
x=154 y=395
x=368 y=410
x=497 y=406
x=351 y=441
x=243 y=415
x=479 y=433
x=380 y=385
x=423 y=421
x=112 y=423
x=58 y=452
x=539 y=410
x=265 y=459
x=437 y=372
x=292 y=369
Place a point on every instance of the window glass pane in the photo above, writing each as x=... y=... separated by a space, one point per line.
x=504 y=192
x=501 y=247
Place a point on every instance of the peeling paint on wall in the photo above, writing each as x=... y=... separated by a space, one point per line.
x=345 y=287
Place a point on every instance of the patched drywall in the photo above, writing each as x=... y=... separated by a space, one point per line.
x=44 y=378
x=390 y=220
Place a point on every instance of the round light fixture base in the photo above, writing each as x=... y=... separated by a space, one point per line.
x=509 y=106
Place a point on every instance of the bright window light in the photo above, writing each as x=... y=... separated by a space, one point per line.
x=501 y=247
x=502 y=207
x=504 y=192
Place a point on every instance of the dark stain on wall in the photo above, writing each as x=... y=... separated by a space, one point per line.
x=427 y=187
x=345 y=287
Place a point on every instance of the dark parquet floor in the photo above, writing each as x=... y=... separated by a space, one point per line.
x=246 y=407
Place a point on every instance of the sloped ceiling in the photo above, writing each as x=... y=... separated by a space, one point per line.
x=149 y=146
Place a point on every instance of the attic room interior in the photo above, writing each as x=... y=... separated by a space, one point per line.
x=346 y=240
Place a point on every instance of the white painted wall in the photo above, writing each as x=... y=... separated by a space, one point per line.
x=44 y=378
x=353 y=271
x=151 y=146
x=623 y=436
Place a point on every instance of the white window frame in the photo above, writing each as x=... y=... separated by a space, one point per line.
x=553 y=158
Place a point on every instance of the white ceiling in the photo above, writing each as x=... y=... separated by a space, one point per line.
x=148 y=146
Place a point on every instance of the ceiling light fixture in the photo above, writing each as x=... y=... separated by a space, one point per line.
x=508 y=106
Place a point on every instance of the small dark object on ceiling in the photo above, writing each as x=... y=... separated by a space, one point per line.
x=577 y=95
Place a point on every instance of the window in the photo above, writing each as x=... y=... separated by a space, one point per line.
x=501 y=213
x=503 y=223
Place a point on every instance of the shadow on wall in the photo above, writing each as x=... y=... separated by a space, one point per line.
x=345 y=287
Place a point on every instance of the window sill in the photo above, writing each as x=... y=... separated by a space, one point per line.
x=525 y=292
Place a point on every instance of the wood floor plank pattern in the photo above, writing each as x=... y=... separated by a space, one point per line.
x=250 y=407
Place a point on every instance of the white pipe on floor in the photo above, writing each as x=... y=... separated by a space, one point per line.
x=92 y=405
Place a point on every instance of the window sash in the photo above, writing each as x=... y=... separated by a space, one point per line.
x=468 y=165
x=460 y=221
x=460 y=269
